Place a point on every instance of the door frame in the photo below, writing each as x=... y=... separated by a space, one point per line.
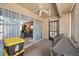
x=49 y=27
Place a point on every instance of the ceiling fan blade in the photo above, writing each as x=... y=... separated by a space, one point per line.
x=40 y=12
x=45 y=11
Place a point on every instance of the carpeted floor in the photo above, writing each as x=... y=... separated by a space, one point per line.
x=39 y=49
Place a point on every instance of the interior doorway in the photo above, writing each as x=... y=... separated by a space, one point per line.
x=53 y=29
x=27 y=30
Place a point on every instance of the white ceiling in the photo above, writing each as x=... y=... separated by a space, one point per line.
x=65 y=7
x=46 y=6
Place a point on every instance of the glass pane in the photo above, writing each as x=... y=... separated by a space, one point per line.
x=37 y=32
x=53 y=29
x=11 y=25
x=1 y=36
x=1 y=33
x=1 y=28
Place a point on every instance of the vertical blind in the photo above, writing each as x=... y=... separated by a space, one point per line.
x=11 y=24
x=37 y=30
x=1 y=33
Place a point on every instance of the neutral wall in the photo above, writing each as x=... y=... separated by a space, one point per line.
x=45 y=29
x=64 y=25
x=75 y=23
x=45 y=25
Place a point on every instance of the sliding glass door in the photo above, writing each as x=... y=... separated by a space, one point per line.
x=37 y=30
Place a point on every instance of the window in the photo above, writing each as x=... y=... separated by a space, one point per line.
x=53 y=29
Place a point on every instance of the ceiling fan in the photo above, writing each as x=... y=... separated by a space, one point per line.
x=41 y=10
